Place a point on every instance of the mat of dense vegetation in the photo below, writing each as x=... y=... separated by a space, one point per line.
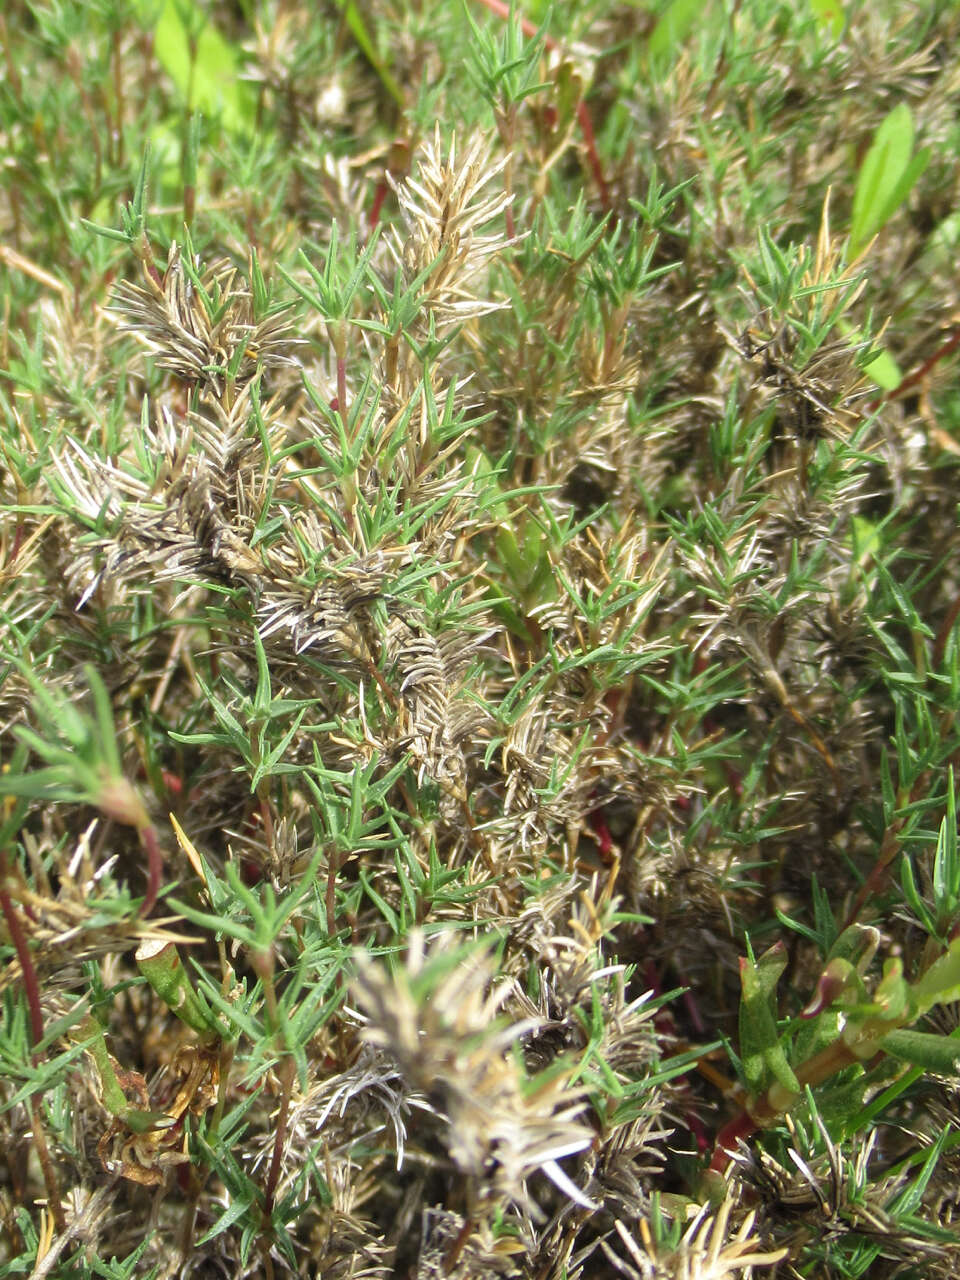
x=479 y=672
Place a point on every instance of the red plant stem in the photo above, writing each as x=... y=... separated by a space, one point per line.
x=739 y=1128
x=918 y=374
x=889 y=848
x=148 y=836
x=31 y=987
x=342 y=389
x=593 y=158
x=379 y=196
x=151 y=269
x=693 y=1013
x=760 y=1112
x=950 y=345
x=273 y=1174
x=398 y=163
x=530 y=30
x=601 y=833
x=266 y=814
x=452 y=1256
x=13 y=71
x=117 y=131
x=50 y=1180
x=698 y=1130
x=17 y=542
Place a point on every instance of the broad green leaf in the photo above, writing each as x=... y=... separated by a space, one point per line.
x=866 y=539
x=941 y=982
x=839 y=1103
x=840 y=986
x=511 y=556
x=884 y=371
x=857 y=944
x=159 y=962
x=887 y=175
x=881 y=368
x=921 y=1049
x=112 y=1095
x=764 y=1060
x=816 y=1034
x=212 y=82
x=893 y=997
x=675 y=24
x=829 y=14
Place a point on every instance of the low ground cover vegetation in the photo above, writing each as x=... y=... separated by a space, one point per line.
x=479 y=668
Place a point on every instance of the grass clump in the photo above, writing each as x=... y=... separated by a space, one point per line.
x=479 y=673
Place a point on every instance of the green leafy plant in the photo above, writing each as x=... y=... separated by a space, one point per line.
x=479 y=677
x=887 y=176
